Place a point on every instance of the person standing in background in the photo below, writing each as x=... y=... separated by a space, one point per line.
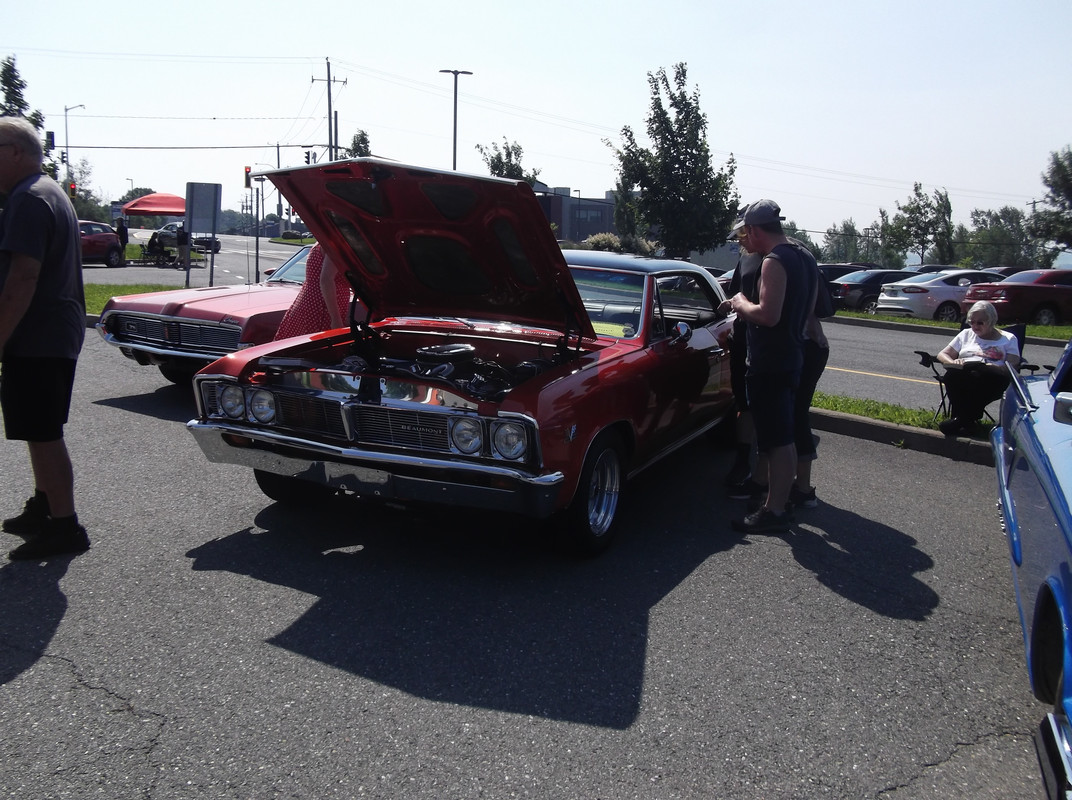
x=42 y=327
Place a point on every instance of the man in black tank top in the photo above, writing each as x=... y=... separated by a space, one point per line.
x=775 y=316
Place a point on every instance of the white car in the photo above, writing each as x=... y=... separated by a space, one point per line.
x=931 y=295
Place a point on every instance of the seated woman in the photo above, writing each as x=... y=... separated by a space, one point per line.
x=976 y=374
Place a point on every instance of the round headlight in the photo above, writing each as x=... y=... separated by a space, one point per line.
x=510 y=440
x=262 y=406
x=467 y=435
x=233 y=402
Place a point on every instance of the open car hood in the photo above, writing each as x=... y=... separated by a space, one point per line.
x=420 y=242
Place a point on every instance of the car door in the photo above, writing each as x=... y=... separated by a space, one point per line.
x=94 y=244
x=690 y=377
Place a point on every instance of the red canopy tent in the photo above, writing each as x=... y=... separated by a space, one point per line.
x=159 y=204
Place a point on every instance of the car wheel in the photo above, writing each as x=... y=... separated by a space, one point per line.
x=292 y=491
x=179 y=374
x=869 y=304
x=948 y=312
x=215 y=247
x=114 y=257
x=1046 y=315
x=592 y=513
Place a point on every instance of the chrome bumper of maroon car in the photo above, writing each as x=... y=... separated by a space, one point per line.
x=388 y=476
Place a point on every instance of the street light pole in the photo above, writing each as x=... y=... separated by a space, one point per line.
x=131 y=185
x=67 y=138
x=456 y=73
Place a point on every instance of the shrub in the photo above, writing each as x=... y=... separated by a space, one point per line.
x=608 y=242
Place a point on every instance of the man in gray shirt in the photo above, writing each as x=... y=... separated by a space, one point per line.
x=42 y=326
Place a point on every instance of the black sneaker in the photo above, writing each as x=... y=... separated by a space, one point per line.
x=762 y=521
x=746 y=489
x=801 y=499
x=32 y=519
x=51 y=543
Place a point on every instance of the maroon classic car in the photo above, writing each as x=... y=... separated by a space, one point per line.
x=490 y=370
x=1037 y=296
x=181 y=330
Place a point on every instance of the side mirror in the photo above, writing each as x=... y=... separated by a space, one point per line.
x=1062 y=408
x=682 y=333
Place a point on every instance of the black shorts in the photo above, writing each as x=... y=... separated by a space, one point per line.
x=35 y=394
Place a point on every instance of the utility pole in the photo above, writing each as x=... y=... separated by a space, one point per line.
x=331 y=141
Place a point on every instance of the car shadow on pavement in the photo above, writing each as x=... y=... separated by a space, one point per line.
x=473 y=608
x=864 y=561
x=170 y=402
x=34 y=606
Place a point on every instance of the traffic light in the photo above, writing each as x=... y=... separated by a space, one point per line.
x=63 y=157
x=247 y=177
x=72 y=190
x=307 y=154
x=50 y=140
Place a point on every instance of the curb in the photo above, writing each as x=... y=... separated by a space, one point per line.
x=922 y=440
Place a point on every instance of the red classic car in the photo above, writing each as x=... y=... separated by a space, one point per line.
x=182 y=330
x=1037 y=296
x=486 y=373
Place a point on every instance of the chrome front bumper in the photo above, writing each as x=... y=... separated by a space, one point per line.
x=1054 y=755
x=388 y=476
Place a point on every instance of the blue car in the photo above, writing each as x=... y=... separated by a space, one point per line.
x=1033 y=458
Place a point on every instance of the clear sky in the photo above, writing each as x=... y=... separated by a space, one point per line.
x=834 y=109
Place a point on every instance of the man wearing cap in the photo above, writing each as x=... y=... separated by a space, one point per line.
x=775 y=316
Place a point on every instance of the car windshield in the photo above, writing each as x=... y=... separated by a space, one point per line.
x=612 y=299
x=293 y=270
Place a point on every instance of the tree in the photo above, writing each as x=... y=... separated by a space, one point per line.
x=15 y=105
x=1054 y=224
x=359 y=146
x=923 y=222
x=841 y=243
x=791 y=229
x=682 y=197
x=1002 y=238
x=506 y=163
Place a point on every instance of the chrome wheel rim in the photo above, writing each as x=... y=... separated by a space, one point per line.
x=603 y=490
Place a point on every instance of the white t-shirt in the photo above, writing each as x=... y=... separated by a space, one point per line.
x=989 y=351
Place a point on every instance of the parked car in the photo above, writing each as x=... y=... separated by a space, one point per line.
x=931 y=295
x=1034 y=475
x=831 y=272
x=181 y=330
x=1006 y=271
x=859 y=291
x=100 y=242
x=933 y=267
x=168 y=237
x=1036 y=296
x=487 y=373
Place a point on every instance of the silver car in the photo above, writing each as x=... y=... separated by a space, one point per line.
x=931 y=295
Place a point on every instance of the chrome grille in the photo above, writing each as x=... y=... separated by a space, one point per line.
x=401 y=428
x=310 y=414
x=212 y=339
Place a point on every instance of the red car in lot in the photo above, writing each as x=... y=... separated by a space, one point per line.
x=101 y=243
x=181 y=330
x=1035 y=296
x=492 y=370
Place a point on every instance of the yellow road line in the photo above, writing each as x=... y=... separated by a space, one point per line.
x=880 y=375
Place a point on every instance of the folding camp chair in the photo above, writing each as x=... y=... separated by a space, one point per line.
x=1019 y=330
